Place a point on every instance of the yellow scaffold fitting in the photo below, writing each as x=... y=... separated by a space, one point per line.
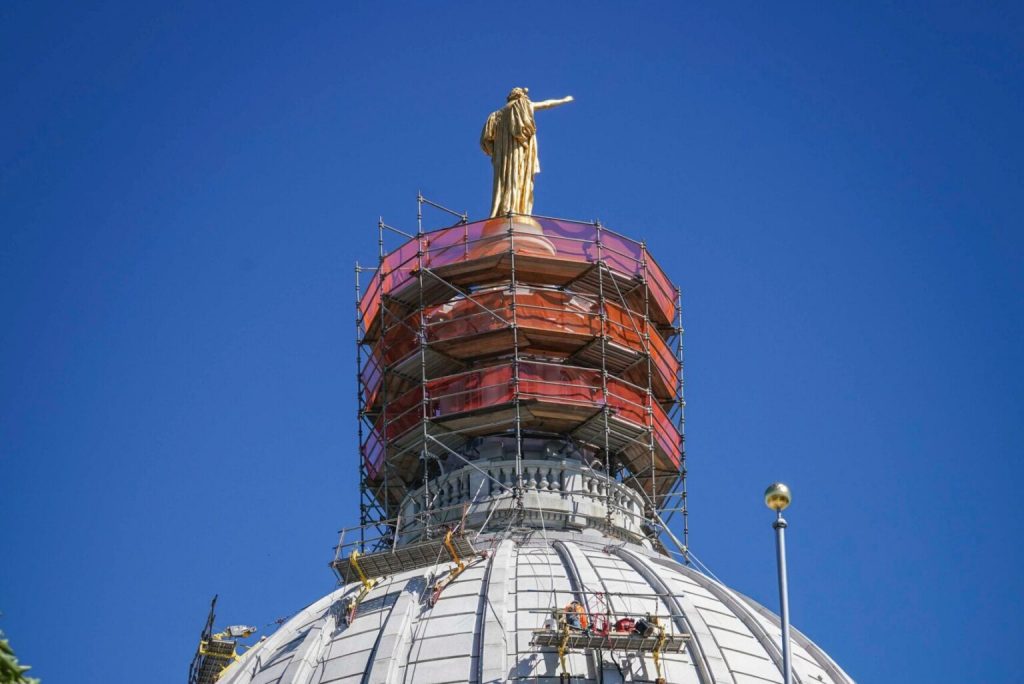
x=563 y=646
x=368 y=584
x=656 y=651
x=235 y=658
x=354 y=560
x=460 y=565
x=204 y=649
x=225 y=659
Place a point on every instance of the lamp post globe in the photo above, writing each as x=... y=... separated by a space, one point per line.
x=777 y=497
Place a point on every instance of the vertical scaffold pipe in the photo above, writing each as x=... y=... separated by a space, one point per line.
x=424 y=393
x=515 y=366
x=603 y=311
x=382 y=314
x=681 y=424
x=360 y=409
x=650 y=395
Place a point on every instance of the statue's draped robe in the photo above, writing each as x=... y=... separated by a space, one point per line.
x=509 y=138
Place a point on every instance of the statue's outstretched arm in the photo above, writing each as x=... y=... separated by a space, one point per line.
x=548 y=104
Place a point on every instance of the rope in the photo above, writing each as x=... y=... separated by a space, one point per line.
x=705 y=569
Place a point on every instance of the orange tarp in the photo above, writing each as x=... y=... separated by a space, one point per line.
x=565 y=240
x=495 y=386
x=548 y=311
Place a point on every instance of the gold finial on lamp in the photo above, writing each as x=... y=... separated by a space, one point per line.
x=777 y=497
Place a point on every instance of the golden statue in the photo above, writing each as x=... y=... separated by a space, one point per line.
x=509 y=138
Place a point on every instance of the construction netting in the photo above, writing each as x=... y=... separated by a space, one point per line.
x=553 y=323
x=497 y=386
x=554 y=239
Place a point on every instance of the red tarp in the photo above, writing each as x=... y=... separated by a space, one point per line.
x=585 y=243
x=495 y=386
x=542 y=310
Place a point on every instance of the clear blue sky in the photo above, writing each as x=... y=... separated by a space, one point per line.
x=184 y=189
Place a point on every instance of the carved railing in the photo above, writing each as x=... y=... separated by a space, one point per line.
x=555 y=493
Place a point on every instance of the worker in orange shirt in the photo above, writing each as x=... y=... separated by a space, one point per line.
x=576 y=616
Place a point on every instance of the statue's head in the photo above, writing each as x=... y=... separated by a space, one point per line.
x=517 y=93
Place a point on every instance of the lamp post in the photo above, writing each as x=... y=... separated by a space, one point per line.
x=777 y=498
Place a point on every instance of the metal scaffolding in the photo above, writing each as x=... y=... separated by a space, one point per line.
x=516 y=327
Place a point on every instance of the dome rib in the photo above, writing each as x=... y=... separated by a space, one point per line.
x=742 y=611
x=308 y=655
x=390 y=652
x=815 y=652
x=691 y=621
x=581 y=575
x=493 y=645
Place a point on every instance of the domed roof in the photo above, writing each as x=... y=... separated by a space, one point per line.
x=482 y=626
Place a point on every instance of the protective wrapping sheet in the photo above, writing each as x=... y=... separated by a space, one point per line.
x=546 y=311
x=495 y=386
x=565 y=240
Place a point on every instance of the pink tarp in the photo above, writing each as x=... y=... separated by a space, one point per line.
x=495 y=386
x=566 y=240
x=543 y=310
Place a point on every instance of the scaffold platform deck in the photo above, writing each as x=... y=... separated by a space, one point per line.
x=216 y=655
x=408 y=557
x=617 y=641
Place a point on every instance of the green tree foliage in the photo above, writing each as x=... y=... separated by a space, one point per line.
x=10 y=671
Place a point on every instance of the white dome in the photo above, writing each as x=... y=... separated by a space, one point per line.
x=481 y=627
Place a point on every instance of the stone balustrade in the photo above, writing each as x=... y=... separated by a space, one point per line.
x=557 y=494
